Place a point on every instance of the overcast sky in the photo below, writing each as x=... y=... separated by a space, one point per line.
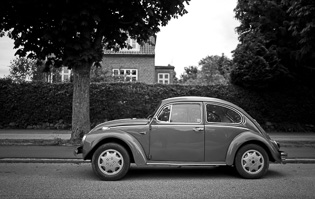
x=207 y=29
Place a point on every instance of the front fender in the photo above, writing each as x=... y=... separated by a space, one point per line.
x=99 y=137
x=247 y=137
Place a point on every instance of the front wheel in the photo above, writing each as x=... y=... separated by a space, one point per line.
x=110 y=162
x=251 y=161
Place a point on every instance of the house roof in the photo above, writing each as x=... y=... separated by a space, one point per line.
x=165 y=67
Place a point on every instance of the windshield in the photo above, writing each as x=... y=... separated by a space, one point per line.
x=152 y=113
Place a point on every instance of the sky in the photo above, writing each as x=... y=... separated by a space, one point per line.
x=208 y=29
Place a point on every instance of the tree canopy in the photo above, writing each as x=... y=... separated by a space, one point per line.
x=302 y=13
x=74 y=33
x=22 y=69
x=190 y=75
x=276 y=40
x=214 y=70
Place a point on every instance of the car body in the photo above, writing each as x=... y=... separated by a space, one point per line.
x=182 y=131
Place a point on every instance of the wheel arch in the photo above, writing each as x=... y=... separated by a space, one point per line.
x=245 y=139
x=132 y=146
x=110 y=140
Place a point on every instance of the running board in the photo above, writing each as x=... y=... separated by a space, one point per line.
x=186 y=163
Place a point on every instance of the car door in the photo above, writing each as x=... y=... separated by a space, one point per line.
x=177 y=133
x=222 y=125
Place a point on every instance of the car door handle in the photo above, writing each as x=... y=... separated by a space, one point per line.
x=143 y=132
x=197 y=129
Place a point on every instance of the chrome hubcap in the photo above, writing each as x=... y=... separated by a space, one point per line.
x=110 y=162
x=252 y=161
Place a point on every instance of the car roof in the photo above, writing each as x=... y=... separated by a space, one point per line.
x=197 y=99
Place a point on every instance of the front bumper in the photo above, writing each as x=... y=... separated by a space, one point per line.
x=78 y=150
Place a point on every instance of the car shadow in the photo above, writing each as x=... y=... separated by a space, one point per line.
x=145 y=173
x=84 y=172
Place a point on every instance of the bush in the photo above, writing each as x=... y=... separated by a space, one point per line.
x=45 y=105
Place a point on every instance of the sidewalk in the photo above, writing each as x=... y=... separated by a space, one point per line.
x=299 y=146
x=33 y=134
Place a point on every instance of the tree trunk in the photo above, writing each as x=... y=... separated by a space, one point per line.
x=80 y=102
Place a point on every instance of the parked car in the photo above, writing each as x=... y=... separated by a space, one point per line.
x=183 y=131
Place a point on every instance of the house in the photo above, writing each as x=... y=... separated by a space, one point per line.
x=137 y=64
x=164 y=74
x=134 y=64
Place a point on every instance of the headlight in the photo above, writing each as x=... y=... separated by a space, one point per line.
x=276 y=143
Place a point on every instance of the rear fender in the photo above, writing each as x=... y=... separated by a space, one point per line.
x=249 y=137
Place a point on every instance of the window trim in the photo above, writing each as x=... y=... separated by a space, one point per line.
x=125 y=74
x=179 y=123
x=160 y=111
x=65 y=71
x=163 y=79
x=224 y=106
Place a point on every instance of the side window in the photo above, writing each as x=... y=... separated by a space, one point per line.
x=164 y=116
x=181 y=113
x=186 y=113
x=221 y=114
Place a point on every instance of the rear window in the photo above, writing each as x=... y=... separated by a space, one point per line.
x=216 y=113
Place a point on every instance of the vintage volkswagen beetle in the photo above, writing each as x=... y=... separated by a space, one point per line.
x=183 y=131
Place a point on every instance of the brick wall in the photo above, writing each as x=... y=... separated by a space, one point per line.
x=144 y=64
x=165 y=69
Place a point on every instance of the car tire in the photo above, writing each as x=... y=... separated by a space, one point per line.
x=251 y=161
x=111 y=162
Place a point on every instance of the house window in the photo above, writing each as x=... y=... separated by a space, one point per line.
x=133 y=44
x=65 y=70
x=163 y=78
x=127 y=75
x=65 y=74
x=66 y=78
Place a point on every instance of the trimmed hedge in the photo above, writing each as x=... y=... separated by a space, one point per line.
x=45 y=105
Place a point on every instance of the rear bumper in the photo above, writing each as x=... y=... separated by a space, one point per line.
x=284 y=157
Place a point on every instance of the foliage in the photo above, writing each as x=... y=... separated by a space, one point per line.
x=303 y=27
x=189 y=76
x=33 y=103
x=22 y=69
x=74 y=33
x=37 y=104
x=255 y=65
x=276 y=25
x=215 y=69
x=225 y=66
x=98 y=74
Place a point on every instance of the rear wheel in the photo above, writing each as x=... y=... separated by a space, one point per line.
x=110 y=162
x=251 y=161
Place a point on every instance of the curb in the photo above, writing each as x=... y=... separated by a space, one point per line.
x=80 y=161
x=300 y=161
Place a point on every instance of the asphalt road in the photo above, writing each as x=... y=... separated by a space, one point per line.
x=24 y=180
